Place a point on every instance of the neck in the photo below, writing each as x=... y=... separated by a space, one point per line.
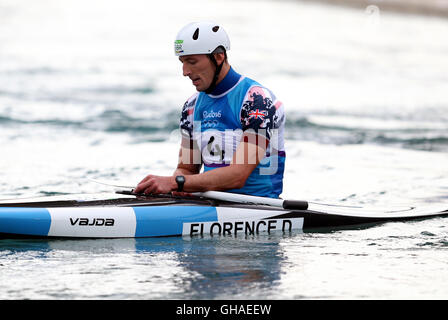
x=227 y=81
x=224 y=71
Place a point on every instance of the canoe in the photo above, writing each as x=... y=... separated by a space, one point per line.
x=160 y=216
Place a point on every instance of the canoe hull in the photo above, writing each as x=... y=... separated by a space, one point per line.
x=135 y=222
x=137 y=218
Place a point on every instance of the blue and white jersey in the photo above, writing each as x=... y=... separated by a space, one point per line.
x=216 y=122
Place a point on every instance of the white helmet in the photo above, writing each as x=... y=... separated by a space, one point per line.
x=200 y=38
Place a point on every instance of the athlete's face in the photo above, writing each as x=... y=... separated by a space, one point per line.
x=200 y=69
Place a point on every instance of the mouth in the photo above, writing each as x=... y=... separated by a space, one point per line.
x=195 y=81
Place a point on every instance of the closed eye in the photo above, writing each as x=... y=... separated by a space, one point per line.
x=190 y=61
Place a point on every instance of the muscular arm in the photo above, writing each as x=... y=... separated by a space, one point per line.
x=245 y=159
x=247 y=156
x=189 y=159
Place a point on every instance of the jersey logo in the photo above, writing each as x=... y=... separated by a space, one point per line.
x=257 y=114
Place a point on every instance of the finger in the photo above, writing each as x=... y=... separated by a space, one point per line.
x=151 y=187
x=146 y=178
x=143 y=186
x=139 y=188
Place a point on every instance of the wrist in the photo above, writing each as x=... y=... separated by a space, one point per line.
x=180 y=182
x=173 y=184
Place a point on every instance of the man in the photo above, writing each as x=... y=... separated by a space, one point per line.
x=232 y=125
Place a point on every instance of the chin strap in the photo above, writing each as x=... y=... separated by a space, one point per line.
x=217 y=72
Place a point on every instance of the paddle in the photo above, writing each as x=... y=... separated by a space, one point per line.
x=227 y=196
x=241 y=198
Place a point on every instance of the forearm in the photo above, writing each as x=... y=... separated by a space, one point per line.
x=234 y=176
x=245 y=160
x=184 y=172
x=225 y=178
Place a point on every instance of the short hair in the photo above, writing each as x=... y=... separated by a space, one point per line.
x=221 y=49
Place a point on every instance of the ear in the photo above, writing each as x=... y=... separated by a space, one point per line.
x=219 y=57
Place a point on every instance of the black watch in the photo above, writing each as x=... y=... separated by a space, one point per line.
x=180 y=180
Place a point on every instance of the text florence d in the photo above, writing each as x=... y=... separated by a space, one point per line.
x=241 y=226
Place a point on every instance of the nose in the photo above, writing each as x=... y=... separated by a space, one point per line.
x=185 y=70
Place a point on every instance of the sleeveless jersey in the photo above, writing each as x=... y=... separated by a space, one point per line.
x=216 y=122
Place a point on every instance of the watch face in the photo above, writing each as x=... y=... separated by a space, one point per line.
x=180 y=180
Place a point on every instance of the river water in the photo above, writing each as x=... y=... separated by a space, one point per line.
x=92 y=90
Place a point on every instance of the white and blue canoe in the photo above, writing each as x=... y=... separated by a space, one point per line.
x=210 y=213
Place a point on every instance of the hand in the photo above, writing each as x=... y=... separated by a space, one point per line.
x=156 y=185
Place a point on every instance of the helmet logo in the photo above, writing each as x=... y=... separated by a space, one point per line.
x=178 y=46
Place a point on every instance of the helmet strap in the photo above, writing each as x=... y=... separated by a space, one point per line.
x=217 y=72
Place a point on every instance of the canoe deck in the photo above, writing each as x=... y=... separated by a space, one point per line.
x=158 y=216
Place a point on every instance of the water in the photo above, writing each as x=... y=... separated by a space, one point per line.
x=93 y=90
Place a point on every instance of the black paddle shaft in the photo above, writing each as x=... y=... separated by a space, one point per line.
x=295 y=205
